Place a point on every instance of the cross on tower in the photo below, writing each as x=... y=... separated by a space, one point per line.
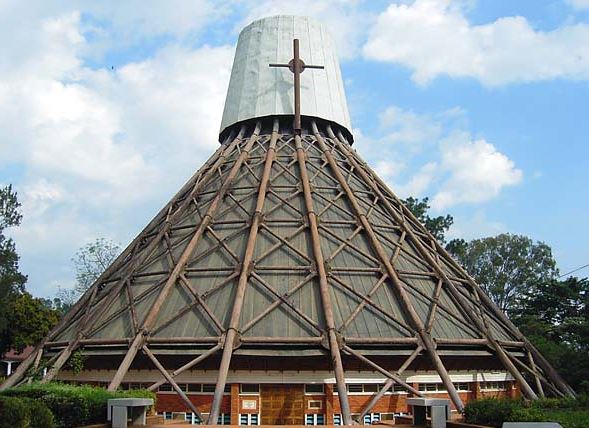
x=297 y=66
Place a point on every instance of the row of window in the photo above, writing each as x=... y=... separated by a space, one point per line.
x=318 y=388
x=194 y=388
x=463 y=386
x=362 y=388
x=193 y=419
x=254 y=418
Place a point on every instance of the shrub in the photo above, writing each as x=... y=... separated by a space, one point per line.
x=24 y=413
x=13 y=413
x=569 y=412
x=39 y=414
x=73 y=405
x=490 y=411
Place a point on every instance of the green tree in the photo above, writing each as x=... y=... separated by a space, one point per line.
x=437 y=226
x=91 y=260
x=555 y=317
x=12 y=281
x=30 y=321
x=507 y=266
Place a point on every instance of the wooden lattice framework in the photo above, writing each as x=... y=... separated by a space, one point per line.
x=272 y=204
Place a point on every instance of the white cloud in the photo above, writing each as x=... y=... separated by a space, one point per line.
x=477 y=171
x=475 y=226
x=433 y=38
x=450 y=166
x=407 y=127
x=420 y=182
x=98 y=150
x=579 y=4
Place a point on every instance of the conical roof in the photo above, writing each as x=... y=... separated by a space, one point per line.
x=198 y=241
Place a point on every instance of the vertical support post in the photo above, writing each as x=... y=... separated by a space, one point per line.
x=324 y=287
x=231 y=334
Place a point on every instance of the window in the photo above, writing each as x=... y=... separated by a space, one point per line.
x=167 y=415
x=371 y=418
x=364 y=388
x=166 y=387
x=461 y=386
x=250 y=388
x=337 y=419
x=314 y=419
x=315 y=404
x=224 y=419
x=199 y=388
x=192 y=418
x=355 y=387
x=194 y=387
x=371 y=387
x=208 y=387
x=314 y=388
x=398 y=388
x=432 y=387
x=249 y=419
x=493 y=386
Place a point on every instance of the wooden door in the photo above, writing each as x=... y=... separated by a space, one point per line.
x=282 y=404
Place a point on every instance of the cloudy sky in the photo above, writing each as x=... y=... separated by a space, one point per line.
x=106 y=108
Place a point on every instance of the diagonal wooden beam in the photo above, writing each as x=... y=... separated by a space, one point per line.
x=286 y=302
x=324 y=287
x=276 y=303
x=405 y=301
x=385 y=372
x=93 y=314
x=171 y=381
x=528 y=391
x=151 y=316
x=544 y=364
x=231 y=332
x=389 y=383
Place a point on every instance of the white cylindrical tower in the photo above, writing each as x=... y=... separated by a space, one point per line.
x=258 y=90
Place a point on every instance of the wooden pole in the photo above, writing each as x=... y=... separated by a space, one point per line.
x=544 y=364
x=405 y=301
x=231 y=332
x=382 y=370
x=450 y=287
x=186 y=366
x=151 y=316
x=324 y=288
x=171 y=381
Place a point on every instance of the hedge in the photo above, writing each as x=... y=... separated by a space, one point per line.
x=569 y=412
x=24 y=413
x=70 y=405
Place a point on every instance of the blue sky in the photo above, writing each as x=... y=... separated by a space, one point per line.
x=107 y=108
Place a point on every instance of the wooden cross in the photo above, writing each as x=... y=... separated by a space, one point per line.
x=297 y=66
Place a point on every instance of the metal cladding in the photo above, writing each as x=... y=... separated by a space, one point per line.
x=256 y=90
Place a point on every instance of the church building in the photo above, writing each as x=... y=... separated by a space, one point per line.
x=285 y=283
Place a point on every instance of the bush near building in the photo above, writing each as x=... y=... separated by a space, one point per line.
x=569 y=412
x=57 y=405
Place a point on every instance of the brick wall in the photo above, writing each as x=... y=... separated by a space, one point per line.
x=171 y=402
x=389 y=403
